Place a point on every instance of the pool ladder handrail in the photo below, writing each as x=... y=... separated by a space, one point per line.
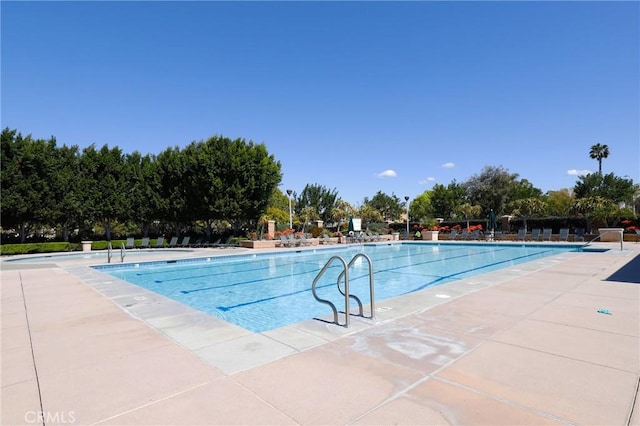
x=123 y=251
x=604 y=233
x=345 y=292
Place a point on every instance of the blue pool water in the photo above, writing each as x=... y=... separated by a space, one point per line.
x=267 y=291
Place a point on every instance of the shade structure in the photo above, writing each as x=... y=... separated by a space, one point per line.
x=492 y=220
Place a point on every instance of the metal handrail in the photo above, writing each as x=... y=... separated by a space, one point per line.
x=346 y=290
x=606 y=232
x=371 y=291
x=123 y=252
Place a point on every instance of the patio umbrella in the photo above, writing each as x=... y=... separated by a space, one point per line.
x=492 y=220
x=350 y=224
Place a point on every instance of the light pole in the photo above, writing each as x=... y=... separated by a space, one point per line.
x=406 y=198
x=290 y=215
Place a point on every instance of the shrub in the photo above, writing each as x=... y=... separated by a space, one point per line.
x=14 y=249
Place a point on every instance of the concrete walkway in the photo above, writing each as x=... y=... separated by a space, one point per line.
x=526 y=345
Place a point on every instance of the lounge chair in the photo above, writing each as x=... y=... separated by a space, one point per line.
x=185 y=241
x=464 y=234
x=521 y=234
x=474 y=235
x=546 y=234
x=173 y=242
x=325 y=239
x=637 y=235
x=453 y=234
x=304 y=241
x=159 y=242
x=144 y=243
x=130 y=243
x=579 y=234
x=227 y=243
x=535 y=234
x=564 y=234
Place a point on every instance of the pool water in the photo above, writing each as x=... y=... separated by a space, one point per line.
x=267 y=291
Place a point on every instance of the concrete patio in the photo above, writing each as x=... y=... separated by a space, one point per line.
x=555 y=341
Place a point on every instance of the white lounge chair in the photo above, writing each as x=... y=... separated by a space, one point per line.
x=564 y=234
x=144 y=243
x=130 y=243
x=546 y=234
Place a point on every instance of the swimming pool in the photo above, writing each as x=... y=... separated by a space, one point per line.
x=271 y=290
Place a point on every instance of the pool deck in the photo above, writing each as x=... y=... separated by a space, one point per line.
x=554 y=341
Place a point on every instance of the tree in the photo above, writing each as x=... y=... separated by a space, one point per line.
x=526 y=208
x=368 y=214
x=143 y=189
x=341 y=212
x=596 y=209
x=524 y=189
x=445 y=200
x=467 y=210
x=420 y=209
x=66 y=190
x=493 y=189
x=559 y=202
x=320 y=199
x=26 y=175
x=609 y=186
x=389 y=207
x=598 y=152
x=104 y=187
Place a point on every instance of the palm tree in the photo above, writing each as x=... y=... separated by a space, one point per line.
x=598 y=152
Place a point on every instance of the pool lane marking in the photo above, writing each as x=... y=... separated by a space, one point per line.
x=441 y=279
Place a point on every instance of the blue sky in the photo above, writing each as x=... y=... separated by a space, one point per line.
x=357 y=96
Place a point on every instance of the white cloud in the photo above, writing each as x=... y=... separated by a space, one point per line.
x=386 y=174
x=427 y=180
x=448 y=165
x=574 y=172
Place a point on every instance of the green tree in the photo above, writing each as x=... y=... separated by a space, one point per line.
x=527 y=208
x=559 y=203
x=103 y=176
x=341 y=213
x=524 y=189
x=493 y=189
x=369 y=215
x=445 y=200
x=420 y=209
x=598 y=152
x=173 y=205
x=320 y=199
x=66 y=190
x=609 y=186
x=596 y=209
x=390 y=207
x=469 y=211
x=143 y=190
x=26 y=174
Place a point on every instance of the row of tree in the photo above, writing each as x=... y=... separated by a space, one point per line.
x=222 y=185
x=45 y=186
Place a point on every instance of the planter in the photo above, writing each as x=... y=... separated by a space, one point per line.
x=395 y=236
x=86 y=245
x=608 y=235
x=430 y=235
